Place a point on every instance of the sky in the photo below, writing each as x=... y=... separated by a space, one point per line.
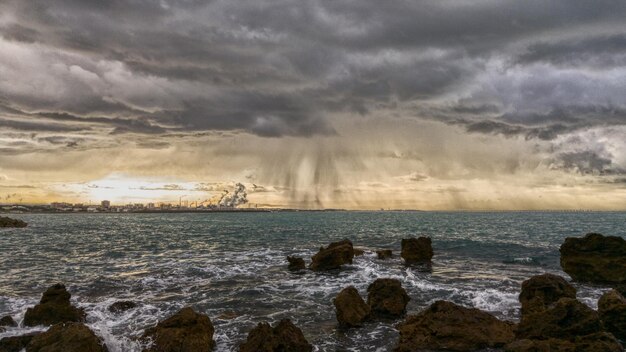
x=368 y=104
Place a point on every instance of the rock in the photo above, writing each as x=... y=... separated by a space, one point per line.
x=595 y=258
x=358 y=252
x=384 y=253
x=54 y=307
x=599 y=342
x=540 y=291
x=282 y=338
x=185 y=331
x=612 y=310
x=67 y=337
x=16 y=343
x=387 y=298
x=7 y=321
x=351 y=309
x=296 y=263
x=121 y=306
x=447 y=326
x=333 y=256
x=417 y=250
x=8 y=222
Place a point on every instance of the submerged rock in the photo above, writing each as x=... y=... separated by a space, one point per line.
x=595 y=258
x=447 y=326
x=185 y=331
x=384 y=253
x=8 y=222
x=333 y=256
x=282 y=338
x=121 y=306
x=540 y=291
x=350 y=308
x=67 y=337
x=296 y=263
x=417 y=250
x=612 y=310
x=16 y=343
x=54 y=307
x=599 y=342
x=387 y=298
x=7 y=321
x=358 y=252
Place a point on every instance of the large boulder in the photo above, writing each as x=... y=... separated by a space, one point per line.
x=384 y=253
x=540 y=291
x=447 y=326
x=185 y=331
x=296 y=263
x=595 y=258
x=67 y=337
x=599 y=342
x=417 y=250
x=350 y=308
x=612 y=310
x=282 y=338
x=54 y=308
x=16 y=343
x=8 y=222
x=333 y=256
x=387 y=298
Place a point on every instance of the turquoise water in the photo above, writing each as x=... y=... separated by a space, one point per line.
x=232 y=266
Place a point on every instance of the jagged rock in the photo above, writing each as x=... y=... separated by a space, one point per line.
x=387 y=298
x=282 y=338
x=8 y=222
x=7 y=321
x=296 y=263
x=595 y=258
x=599 y=342
x=185 y=331
x=447 y=326
x=121 y=306
x=67 y=337
x=358 y=252
x=333 y=256
x=417 y=250
x=54 y=307
x=351 y=309
x=384 y=253
x=16 y=343
x=612 y=310
x=540 y=291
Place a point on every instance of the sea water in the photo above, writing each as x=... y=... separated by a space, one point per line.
x=232 y=267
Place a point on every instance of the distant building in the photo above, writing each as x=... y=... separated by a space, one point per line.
x=106 y=204
x=150 y=206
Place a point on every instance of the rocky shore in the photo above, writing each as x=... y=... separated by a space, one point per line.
x=552 y=319
x=9 y=222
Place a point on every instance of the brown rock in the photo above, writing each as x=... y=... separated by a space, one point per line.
x=54 y=307
x=16 y=343
x=447 y=326
x=595 y=258
x=612 y=310
x=121 y=306
x=599 y=342
x=358 y=252
x=8 y=222
x=282 y=338
x=296 y=263
x=67 y=337
x=7 y=321
x=540 y=291
x=351 y=309
x=384 y=253
x=185 y=331
x=417 y=250
x=333 y=256
x=387 y=298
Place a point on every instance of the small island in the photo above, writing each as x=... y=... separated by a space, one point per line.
x=8 y=222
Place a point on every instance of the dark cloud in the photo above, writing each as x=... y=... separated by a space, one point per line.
x=589 y=162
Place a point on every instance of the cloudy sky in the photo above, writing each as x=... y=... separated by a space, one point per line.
x=364 y=104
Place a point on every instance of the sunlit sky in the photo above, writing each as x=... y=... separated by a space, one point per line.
x=433 y=105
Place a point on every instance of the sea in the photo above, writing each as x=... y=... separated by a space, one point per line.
x=232 y=267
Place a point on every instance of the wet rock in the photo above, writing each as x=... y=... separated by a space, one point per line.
x=417 y=250
x=612 y=310
x=333 y=256
x=283 y=337
x=8 y=222
x=54 y=307
x=16 y=343
x=7 y=321
x=351 y=309
x=296 y=263
x=595 y=258
x=447 y=326
x=185 y=331
x=387 y=298
x=358 y=252
x=599 y=342
x=384 y=253
x=67 y=337
x=540 y=291
x=121 y=306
